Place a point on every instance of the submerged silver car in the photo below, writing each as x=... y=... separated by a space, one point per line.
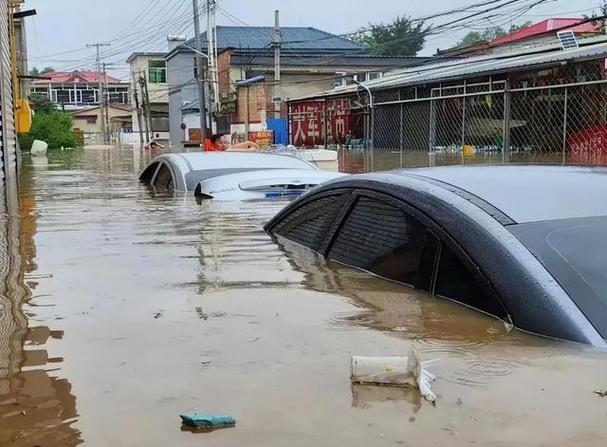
x=234 y=175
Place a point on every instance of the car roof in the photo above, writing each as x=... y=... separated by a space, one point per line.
x=202 y=161
x=527 y=193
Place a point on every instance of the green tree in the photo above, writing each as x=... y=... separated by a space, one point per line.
x=41 y=104
x=36 y=72
x=602 y=13
x=402 y=37
x=489 y=34
x=50 y=125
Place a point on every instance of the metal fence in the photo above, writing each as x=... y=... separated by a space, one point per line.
x=491 y=121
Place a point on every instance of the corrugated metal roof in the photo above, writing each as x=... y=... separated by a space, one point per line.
x=294 y=38
x=593 y=48
x=328 y=60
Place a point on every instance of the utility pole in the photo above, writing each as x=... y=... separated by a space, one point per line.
x=147 y=105
x=212 y=51
x=100 y=82
x=138 y=109
x=106 y=108
x=277 y=42
x=146 y=110
x=201 y=93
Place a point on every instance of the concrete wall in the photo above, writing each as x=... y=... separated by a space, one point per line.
x=159 y=93
x=80 y=119
x=182 y=88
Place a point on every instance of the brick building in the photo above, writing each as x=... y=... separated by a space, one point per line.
x=311 y=61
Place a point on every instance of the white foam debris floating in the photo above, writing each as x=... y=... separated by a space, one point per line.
x=394 y=371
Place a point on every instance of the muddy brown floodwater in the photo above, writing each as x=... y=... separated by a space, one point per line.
x=121 y=309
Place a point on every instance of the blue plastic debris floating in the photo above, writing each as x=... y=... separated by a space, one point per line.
x=207 y=420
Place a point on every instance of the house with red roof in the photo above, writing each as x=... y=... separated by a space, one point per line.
x=545 y=32
x=541 y=33
x=79 y=89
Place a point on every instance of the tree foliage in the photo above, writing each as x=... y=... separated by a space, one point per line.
x=50 y=125
x=489 y=34
x=41 y=104
x=600 y=16
x=402 y=37
x=37 y=72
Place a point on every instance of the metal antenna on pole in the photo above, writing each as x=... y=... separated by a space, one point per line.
x=201 y=88
x=98 y=78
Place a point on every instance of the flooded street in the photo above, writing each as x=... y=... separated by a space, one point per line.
x=123 y=308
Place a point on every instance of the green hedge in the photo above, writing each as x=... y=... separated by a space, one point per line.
x=52 y=126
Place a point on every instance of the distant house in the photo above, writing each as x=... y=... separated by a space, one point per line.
x=541 y=33
x=79 y=89
x=311 y=61
x=89 y=120
x=150 y=67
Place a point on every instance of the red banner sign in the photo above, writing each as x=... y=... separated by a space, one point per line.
x=310 y=120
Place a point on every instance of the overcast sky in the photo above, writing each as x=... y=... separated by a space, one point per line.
x=57 y=36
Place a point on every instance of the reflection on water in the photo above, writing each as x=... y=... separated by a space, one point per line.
x=36 y=405
x=354 y=162
x=364 y=396
x=123 y=308
x=438 y=327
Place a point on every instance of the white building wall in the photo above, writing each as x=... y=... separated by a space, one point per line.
x=159 y=93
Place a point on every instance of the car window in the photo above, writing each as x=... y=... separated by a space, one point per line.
x=308 y=225
x=148 y=173
x=382 y=238
x=455 y=281
x=164 y=178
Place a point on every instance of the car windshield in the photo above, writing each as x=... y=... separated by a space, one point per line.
x=574 y=251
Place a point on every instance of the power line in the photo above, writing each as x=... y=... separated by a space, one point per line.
x=137 y=43
x=143 y=34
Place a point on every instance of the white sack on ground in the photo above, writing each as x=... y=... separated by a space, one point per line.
x=38 y=148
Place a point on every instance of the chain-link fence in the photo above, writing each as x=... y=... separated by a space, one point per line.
x=552 y=114
x=553 y=119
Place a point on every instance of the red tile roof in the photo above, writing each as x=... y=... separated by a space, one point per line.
x=548 y=26
x=71 y=77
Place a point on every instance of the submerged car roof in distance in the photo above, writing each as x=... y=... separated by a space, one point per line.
x=200 y=161
x=524 y=193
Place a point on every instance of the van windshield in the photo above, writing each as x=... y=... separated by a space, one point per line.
x=574 y=251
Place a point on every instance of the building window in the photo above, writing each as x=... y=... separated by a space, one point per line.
x=204 y=69
x=118 y=94
x=88 y=96
x=371 y=76
x=91 y=121
x=157 y=72
x=340 y=78
x=61 y=96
